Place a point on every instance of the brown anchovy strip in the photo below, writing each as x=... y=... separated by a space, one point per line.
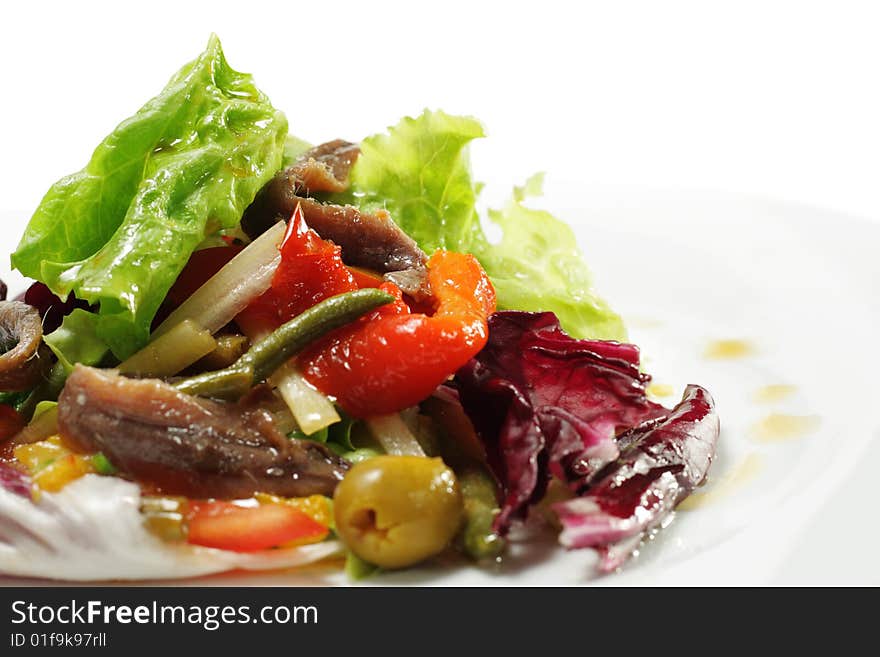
x=187 y=445
x=25 y=359
x=324 y=168
x=367 y=239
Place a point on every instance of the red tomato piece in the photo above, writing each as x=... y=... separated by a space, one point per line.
x=10 y=422
x=227 y=526
x=201 y=266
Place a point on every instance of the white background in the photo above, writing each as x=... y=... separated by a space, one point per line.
x=778 y=99
x=774 y=98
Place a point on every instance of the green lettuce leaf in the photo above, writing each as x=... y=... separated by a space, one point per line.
x=293 y=148
x=537 y=266
x=77 y=341
x=186 y=165
x=419 y=171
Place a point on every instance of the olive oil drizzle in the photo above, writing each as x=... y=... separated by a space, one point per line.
x=728 y=483
x=729 y=349
x=779 y=427
x=774 y=392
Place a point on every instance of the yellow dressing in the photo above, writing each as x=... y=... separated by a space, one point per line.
x=728 y=483
x=660 y=390
x=778 y=427
x=728 y=349
x=773 y=393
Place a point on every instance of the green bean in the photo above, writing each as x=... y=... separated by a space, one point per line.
x=270 y=353
x=228 y=350
x=477 y=536
x=274 y=350
x=458 y=446
x=229 y=382
x=48 y=389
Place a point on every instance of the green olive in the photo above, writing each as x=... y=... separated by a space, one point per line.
x=395 y=511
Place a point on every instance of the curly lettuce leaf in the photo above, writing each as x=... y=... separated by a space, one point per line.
x=293 y=148
x=186 y=165
x=420 y=172
x=537 y=266
x=77 y=341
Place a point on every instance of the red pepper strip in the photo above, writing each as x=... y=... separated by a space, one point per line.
x=365 y=277
x=392 y=358
x=310 y=271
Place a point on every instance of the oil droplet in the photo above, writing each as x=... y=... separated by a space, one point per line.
x=773 y=393
x=728 y=483
x=660 y=390
x=729 y=349
x=777 y=427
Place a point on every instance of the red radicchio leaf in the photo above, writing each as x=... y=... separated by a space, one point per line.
x=545 y=403
x=660 y=466
x=14 y=480
x=52 y=309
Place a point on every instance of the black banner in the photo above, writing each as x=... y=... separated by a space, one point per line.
x=388 y=621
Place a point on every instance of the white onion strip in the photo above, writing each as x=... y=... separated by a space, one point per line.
x=233 y=288
x=310 y=408
x=394 y=436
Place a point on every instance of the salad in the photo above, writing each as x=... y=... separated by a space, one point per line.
x=244 y=351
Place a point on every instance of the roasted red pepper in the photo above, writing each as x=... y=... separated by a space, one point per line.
x=311 y=270
x=394 y=358
x=391 y=358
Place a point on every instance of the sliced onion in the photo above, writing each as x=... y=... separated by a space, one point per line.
x=394 y=435
x=310 y=407
x=233 y=288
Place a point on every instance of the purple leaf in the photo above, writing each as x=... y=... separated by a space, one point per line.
x=52 y=309
x=661 y=464
x=14 y=480
x=544 y=403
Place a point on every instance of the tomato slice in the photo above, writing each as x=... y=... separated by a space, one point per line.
x=228 y=526
x=201 y=266
x=10 y=422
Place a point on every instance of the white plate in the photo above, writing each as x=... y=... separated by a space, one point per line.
x=795 y=283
